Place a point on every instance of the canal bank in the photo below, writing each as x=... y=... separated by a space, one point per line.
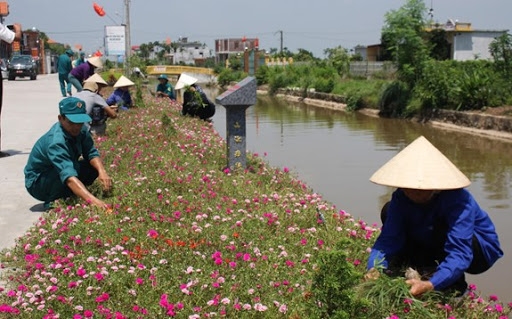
x=492 y=122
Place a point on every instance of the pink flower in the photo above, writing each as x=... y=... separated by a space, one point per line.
x=139 y=281
x=493 y=298
x=152 y=233
x=81 y=272
x=103 y=297
x=98 y=276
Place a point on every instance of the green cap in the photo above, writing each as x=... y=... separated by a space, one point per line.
x=74 y=109
x=70 y=52
x=163 y=76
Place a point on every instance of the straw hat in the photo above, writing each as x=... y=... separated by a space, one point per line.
x=91 y=86
x=420 y=166
x=96 y=61
x=185 y=80
x=96 y=78
x=123 y=81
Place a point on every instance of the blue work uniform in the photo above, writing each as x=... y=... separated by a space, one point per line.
x=63 y=68
x=167 y=89
x=440 y=234
x=55 y=158
x=121 y=98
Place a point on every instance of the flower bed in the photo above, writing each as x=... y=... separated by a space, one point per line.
x=188 y=238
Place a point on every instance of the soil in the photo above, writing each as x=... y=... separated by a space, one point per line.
x=498 y=111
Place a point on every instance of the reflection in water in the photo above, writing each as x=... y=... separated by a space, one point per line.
x=336 y=152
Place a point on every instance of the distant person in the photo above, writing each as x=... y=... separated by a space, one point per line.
x=64 y=160
x=164 y=88
x=96 y=107
x=81 y=59
x=121 y=96
x=7 y=35
x=195 y=101
x=432 y=223
x=63 y=68
x=79 y=74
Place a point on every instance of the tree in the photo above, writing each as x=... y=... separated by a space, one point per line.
x=339 y=59
x=304 y=56
x=404 y=33
x=501 y=51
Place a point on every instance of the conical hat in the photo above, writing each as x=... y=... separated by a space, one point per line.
x=96 y=61
x=185 y=80
x=123 y=81
x=420 y=166
x=96 y=78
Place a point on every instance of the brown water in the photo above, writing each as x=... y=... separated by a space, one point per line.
x=336 y=152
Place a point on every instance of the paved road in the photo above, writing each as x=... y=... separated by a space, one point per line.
x=29 y=109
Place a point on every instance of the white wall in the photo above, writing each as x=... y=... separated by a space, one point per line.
x=471 y=45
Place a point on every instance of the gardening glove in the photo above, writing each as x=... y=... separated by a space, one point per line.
x=372 y=274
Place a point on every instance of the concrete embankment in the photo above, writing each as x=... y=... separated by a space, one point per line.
x=482 y=124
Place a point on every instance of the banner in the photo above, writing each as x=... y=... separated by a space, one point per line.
x=115 y=42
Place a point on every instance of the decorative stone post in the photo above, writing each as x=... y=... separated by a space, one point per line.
x=236 y=100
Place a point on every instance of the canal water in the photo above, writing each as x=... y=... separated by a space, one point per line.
x=336 y=152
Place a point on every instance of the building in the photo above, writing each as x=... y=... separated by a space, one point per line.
x=224 y=48
x=467 y=43
x=190 y=53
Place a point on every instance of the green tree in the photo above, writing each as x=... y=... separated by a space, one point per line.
x=304 y=56
x=501 y=51
x=404 y=33
x=339 y=59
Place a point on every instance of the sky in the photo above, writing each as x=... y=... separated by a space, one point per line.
x=310 y=25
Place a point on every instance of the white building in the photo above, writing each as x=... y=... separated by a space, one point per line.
x=467 y=43
x=191 y=53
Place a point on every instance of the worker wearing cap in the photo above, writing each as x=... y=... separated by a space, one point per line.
x=64 y=160
x=164 y=88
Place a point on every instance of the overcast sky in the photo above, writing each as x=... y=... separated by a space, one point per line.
x=311 y=25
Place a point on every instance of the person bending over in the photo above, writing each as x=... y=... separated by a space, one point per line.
x=432 y=223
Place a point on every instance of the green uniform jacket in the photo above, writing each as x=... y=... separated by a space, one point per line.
x=57 y=150
x=64 y=64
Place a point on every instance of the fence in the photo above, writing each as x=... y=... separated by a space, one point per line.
x=368 y=68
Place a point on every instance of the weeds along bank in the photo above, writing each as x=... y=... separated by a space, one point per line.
x=188 y=238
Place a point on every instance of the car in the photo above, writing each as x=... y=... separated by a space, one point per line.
x=3 y=69
x=22 y=66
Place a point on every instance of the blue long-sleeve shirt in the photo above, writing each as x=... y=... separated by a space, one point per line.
x=121 y=98
x=408 y=222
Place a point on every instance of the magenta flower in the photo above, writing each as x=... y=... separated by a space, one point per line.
x=152 y=233
x=103 y=297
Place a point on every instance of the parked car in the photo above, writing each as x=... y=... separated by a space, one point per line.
x=3 y=69
x=22 y=66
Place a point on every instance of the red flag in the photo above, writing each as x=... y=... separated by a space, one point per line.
x=98 y=53
x=99 y=10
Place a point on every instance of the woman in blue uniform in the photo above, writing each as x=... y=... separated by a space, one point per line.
x=432 y=223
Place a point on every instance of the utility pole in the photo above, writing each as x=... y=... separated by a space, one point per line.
x=128 y=47
x=281 y=32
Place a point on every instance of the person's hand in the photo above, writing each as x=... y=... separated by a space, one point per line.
x=17 y=31
x=419 y=287
x=372 y=274
x=105 y=181
x=99 y=203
